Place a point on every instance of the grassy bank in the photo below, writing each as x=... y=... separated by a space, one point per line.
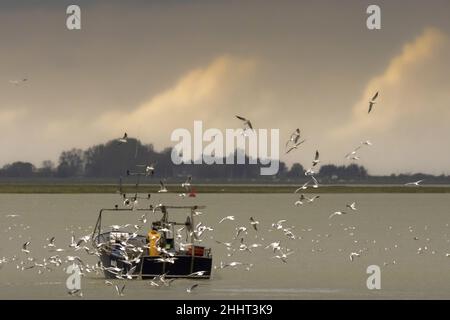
x=109 y=188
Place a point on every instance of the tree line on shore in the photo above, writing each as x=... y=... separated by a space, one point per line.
x=111 y=160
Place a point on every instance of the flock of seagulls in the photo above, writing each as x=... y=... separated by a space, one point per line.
x=239 y=241
x=189 y=190
x=353 y=154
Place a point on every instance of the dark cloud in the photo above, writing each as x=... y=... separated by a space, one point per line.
x=314 y=61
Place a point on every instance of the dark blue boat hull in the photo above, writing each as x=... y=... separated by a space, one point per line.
x=149 y=266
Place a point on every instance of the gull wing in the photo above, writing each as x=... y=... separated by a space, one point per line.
x=375 y=96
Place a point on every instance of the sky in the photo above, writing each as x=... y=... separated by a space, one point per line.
x=150 y=67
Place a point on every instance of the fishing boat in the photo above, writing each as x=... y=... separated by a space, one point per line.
x=156 y=251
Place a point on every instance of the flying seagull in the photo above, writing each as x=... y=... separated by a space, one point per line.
x=303 y=187
x=25 y=247
x=372 y=102
x=337 y=213
x=231 y=264
x=239 y=231
x=316 y=158
x=75 y=292
x=17 y=82
x=352 y=206
x=299 y=202
x=51 y=242
x=120 y=290
x=310 y=200
x=352 y=155
x=162 y=187
x=247 y=123
x=189 y=290
x=12 y=215
x=353 y=255
x=124 y=139
x=295 y=136
x=226 y=218
x=416 y=183
x=254 y=223
x=295 y=146
x=197 y=274
x=316 y=183
x=149 y=169
x=187 y=183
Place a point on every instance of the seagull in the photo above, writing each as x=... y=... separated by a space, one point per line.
x=149 y=169
x=189 y=290
x=278 y=225
x=226 y=244
x=350 y=154
x=310 y=200
x=231 y=264
x=130 y=272
x=197 y=274
x=316 y=158
x=74 y=292
x=316 y=183
x=12 y=215
x=274 y=245
x=353 y=255
x=17 y=82
x=303 y=187
x=337 y=213
x=243 y=246
x=295 y=146
x=372 y=102
x=247 y=123
x=254 y=223
x=416 y=183
x=51 y=242
x=120 y=290
x=299 y=202
x=294 y=137
x=352 y=206
x=124 y=139
x=239 y=231
x=25 y=247
x=197 y=213
x=283 y=256
x=162 y=187
x=187 y=183
x=227 y=218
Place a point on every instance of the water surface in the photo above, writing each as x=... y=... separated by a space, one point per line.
x=406 y=235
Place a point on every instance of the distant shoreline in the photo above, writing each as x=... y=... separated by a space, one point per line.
x=112 y=189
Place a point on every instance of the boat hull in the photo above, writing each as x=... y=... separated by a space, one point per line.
x=149 y=266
